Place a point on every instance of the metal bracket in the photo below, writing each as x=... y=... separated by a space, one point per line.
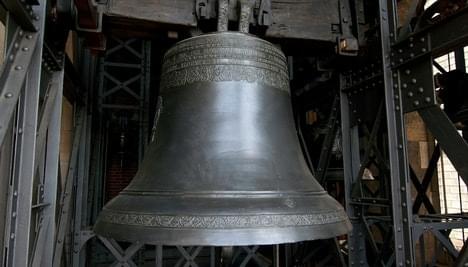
x=23 y=13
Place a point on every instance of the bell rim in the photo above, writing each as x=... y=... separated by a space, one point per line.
x=222 y=237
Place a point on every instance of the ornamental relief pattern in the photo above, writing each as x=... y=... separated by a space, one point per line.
x=227 y=54
x=223 y=222
x=225 y=41
x=219 y=73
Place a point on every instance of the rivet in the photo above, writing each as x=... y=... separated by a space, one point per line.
x=397 y=107
x=25 y=49
x=405 y=85
x=21 y=33
x=414 y=81
x=416 y=103
x=16 y=45
x=397 y=96
x=424 y=50
x=12 y=236
x=20 y=130
x=403 y=189
x=400 y=146
x=401 y=60
x=395 y=86
x=8 y=95
x=400 y=247
x=421 y=90
x=403 y=204
x=401 y=264
x=411 y=55
x=405 y=220
x=411 y=45
x=36 y=17
x=395 y=75
x=11 y=57
x=29 y=36
x=410 y=94
x=400 y=51
x=422 y=39
x=399 y=229
x=13 y=214
x=18 y=68
x=411 y=39
x=15 y=193
x=427 y=99
x=407 y=72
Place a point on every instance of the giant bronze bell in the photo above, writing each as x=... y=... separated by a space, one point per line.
x=225 y=166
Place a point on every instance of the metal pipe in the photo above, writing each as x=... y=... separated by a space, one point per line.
x=245 y=14
x=223 y=15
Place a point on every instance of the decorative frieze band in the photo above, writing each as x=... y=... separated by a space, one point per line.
x=223 y=221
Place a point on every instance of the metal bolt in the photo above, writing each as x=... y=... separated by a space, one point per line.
x=410 y=94
x=8 y=95
x=416 y=103
x=18 y=68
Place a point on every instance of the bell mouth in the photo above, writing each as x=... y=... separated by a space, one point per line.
x=221 y=237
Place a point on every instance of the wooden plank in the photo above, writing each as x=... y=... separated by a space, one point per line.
x=177 y=12
x=311 y=19
x=296 y=19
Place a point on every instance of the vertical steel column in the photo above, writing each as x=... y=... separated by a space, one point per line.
x=43 y=254
x=399 y=173
x=21 y=191
x=67 y=194
x=351 y=164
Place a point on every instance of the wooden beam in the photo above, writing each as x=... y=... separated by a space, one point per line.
x=306 y=19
